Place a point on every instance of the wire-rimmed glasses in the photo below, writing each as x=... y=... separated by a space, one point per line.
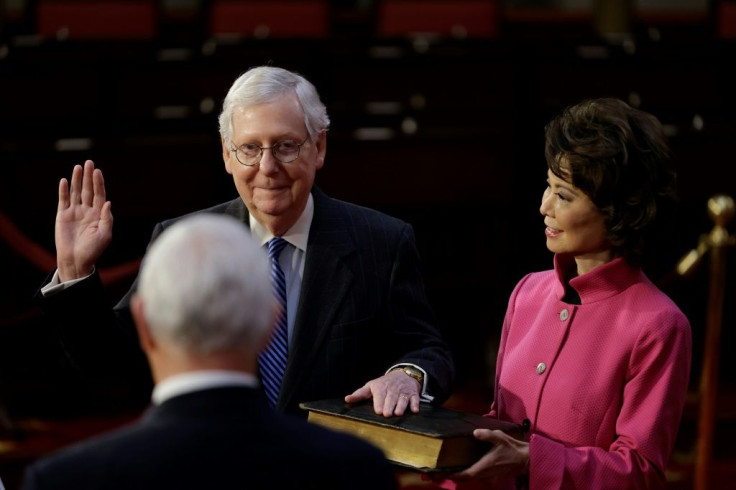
x=285 y=151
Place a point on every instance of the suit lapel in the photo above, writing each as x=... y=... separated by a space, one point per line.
x=327 y=278
x=236 y=208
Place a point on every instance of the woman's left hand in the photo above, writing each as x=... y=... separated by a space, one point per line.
x=508 y=458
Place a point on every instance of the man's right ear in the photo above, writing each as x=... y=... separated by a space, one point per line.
x=145 y=338
x=227 y=156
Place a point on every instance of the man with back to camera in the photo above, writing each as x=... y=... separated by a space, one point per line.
x=201 y=328
x=357 y=321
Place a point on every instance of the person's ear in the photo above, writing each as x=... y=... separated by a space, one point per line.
x=227 y=156
x=321 y=145
x=145 y=338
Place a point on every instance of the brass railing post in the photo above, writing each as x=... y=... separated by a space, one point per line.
x=721 y=211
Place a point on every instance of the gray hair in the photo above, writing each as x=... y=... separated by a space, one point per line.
x=205 y=286
x=265 y=84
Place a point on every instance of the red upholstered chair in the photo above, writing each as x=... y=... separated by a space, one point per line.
x=270 y=18
x=461 y=18
x=80 y=19
x=727 y=20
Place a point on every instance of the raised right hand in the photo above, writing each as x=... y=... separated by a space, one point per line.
x=83 y=222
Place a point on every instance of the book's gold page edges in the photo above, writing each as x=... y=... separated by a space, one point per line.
x=397 y=445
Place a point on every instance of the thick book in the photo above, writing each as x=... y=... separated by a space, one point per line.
x=435 y=439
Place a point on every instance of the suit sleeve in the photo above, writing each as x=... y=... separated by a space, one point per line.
x=414 y=323
x=31 y=480
x=99 y=340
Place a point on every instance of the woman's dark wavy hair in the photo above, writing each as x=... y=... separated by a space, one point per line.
x=618 y=156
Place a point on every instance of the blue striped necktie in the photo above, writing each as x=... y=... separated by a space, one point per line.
x=272 y=361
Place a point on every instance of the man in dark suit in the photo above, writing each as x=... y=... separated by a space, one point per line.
x=201 y=328
x=357 y=320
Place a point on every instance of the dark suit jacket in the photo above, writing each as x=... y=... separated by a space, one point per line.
x=362 y=309
x=220 y=438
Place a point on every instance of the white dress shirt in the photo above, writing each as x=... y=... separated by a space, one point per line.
x=292 y=257
x=181 y=384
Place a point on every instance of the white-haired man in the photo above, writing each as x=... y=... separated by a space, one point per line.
x=202 y=327
x=357 y=321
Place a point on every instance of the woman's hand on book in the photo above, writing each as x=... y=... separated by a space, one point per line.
x=508 y=458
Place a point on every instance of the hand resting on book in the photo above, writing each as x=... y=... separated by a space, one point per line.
x=392 y=394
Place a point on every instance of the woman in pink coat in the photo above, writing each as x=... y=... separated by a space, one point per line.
x=593 y=359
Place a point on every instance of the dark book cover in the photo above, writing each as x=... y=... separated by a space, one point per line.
x=431 y=421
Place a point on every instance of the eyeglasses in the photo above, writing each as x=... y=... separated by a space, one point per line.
x=283 y=151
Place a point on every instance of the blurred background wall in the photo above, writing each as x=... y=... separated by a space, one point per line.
x=437 y=108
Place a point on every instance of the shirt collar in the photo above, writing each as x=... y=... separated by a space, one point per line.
x=297 y=235
x=181 y=384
